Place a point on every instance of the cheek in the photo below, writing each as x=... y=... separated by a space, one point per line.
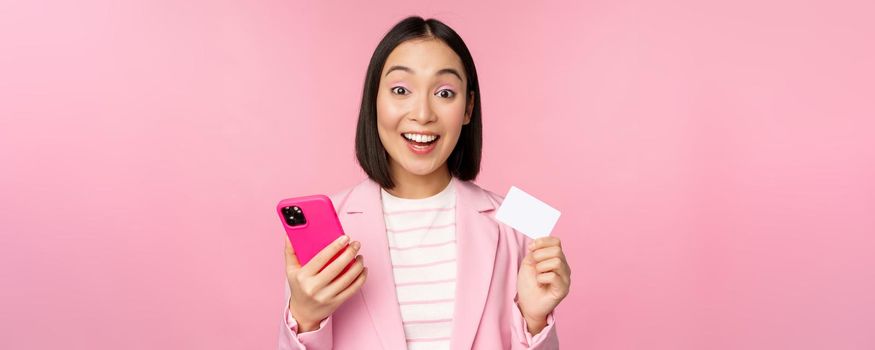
x=452 y=115
x=387 y=116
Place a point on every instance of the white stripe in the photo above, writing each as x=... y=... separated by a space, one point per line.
x=427 y=292
x=418 y=246
x=407 y=239
x=423 y=255
x=428 y=330
x=406 y=220
x=431 y=345
x=428 y=273
x=427 y=311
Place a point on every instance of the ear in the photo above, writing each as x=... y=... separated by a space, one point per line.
x=469 y=109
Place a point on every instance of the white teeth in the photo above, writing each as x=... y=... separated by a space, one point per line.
x=420 y=138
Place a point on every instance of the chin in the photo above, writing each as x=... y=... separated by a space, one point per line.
x=419 y=169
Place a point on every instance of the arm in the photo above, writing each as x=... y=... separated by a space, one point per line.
x=543 y=280
x=543 y=340
x=318 y=289
x=290 y=339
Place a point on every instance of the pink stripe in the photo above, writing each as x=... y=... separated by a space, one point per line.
x=427 y=339
x=428 y=321
x=417 y=211
x=423 y=282
x=423 y=245
x=400 y=266
x=419 y=228
x=421 y=302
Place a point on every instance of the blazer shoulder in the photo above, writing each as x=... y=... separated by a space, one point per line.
x=340 y=198
x=494 y=198
x=520 y=239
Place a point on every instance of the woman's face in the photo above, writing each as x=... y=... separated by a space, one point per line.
x=421 y=105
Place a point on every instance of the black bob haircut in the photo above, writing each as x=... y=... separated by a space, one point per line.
x=464 y=161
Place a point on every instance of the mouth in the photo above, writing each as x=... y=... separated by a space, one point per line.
x=420 y=143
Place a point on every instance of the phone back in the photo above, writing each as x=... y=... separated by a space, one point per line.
x=311 y=224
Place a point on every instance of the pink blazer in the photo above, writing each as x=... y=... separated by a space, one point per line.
x=485 y=314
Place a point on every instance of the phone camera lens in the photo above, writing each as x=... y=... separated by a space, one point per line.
x=294 y=216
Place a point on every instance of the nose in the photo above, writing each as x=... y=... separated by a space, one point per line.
x=422 y=111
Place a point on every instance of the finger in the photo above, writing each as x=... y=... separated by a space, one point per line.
x=330 y=272
x=314 y=265
x=354 y=287
x=547 y=253
x=559 y=286
x=342 y=282
x=547 y=277
x=292 y=263
x=529 y=260
x=544 y=242
x=548 y=265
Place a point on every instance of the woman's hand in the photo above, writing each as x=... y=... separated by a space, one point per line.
x=543 y=281
x=316 y=294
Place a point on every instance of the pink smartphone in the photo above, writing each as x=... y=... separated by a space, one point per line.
x=311 y=224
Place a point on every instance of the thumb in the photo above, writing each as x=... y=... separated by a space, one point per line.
x=292 y=263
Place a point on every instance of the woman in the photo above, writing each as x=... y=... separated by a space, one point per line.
x=441 y=272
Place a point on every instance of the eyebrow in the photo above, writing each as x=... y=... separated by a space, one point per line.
x=442 y=71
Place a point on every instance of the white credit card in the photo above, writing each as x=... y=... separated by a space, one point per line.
x=527 y=214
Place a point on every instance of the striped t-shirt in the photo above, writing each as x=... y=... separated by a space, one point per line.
x=422 y=245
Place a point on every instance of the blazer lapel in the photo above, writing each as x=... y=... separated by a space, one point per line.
x=476 y=245
x=364 y=222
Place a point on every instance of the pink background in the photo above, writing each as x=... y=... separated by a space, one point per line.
x=714 y=162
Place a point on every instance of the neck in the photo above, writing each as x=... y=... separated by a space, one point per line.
x=412 y=186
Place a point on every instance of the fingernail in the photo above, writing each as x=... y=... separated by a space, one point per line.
x=356 y=245
x=344 y=239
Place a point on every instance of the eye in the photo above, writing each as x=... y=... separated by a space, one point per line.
x=446 y=93
x=399 y=90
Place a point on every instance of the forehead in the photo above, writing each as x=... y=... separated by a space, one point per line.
x=424 y=56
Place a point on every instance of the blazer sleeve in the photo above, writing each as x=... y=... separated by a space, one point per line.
x=290 y=339
x=547 y=339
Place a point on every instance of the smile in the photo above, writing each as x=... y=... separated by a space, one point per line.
x=420 y=143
